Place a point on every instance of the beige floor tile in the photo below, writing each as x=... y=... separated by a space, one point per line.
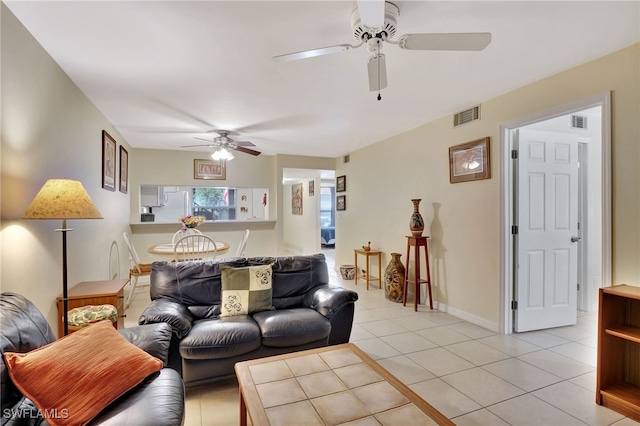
x=405 y=415
x=482 y=417
x=477 y=352
x=509 y=344
x=442 y=335
x=556 y=364
x=408 y=342
x=482 y=386
x=574 y=400
x=523 y=375
x=383 y=328
x=529 y=410
x=440 y=361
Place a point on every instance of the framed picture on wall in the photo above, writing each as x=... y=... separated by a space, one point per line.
x=341 y=183
x=108 y=161
x=341 y=202
x=470 y=161
x=210 y=169
x=296 y=199
x=312 y=188
x=124 y=170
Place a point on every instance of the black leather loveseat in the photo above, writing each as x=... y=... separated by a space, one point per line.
x=308 y=313
x=158 y=400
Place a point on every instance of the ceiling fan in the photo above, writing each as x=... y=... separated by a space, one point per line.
x=223 y=145
x=374 y=23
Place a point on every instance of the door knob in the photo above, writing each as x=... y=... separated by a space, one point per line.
x=575 y=239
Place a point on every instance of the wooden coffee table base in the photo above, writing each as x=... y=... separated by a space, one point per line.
x=331 y=385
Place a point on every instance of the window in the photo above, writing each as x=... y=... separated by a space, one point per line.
x=327 y=207
x=214 y=203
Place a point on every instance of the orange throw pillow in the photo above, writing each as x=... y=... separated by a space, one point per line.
x=74 y=378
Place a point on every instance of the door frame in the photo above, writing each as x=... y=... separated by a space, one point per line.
x=507 y=196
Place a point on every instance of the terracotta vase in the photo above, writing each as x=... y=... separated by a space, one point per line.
x=416 y=223
x=394 y=279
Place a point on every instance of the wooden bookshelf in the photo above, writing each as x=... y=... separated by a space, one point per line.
x=618 y=373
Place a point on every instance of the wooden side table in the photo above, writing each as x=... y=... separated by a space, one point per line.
x=109 y=292
x=416 y=243
x=367 y=277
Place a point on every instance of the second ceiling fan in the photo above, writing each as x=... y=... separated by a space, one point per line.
x=374 y=23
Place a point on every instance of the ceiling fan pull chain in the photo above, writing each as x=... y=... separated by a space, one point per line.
x=379 y=97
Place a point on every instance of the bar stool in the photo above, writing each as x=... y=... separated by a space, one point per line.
x=416 y=242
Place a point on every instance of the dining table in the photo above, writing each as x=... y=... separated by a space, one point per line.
x=166 y=249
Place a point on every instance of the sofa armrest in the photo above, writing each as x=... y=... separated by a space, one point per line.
x=328 y=300
x=170 y=312
x=151 y=338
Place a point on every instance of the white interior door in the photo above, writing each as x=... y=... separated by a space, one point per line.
x=547 y=220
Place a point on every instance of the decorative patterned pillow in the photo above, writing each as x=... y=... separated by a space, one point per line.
x=246 y=290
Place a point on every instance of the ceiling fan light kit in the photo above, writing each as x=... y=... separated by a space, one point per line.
x=373 y=23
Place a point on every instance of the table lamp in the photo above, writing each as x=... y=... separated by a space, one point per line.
x=62 y=199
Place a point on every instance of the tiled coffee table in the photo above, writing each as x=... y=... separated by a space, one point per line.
x=328 y=386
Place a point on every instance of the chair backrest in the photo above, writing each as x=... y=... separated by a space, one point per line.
x=194 y=247
x=243 y=244
x=182 y=232
x=133 y=254
x=114 y=261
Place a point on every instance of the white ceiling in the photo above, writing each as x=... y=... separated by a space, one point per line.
x=163 y=72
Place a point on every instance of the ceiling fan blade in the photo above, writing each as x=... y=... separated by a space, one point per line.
x=377 y=70
x=203 y=139
x=371 y=13
x=313 y=53
x=194 y=146
x=247 y=150
x=243 y=143
x=445 y=41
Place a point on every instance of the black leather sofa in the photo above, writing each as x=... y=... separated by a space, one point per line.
x=309 y=313
x=158 y=400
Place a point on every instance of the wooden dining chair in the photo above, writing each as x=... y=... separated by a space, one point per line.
x=194 y=247
x=136 y=269
x=182 y=232
x=243 y=243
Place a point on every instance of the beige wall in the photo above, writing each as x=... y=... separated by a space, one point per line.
x=463 y=219
x=301 y=233
x=50 y=130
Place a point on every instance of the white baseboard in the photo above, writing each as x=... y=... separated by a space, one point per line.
x=489 y=325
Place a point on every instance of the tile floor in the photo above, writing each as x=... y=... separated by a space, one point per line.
x=470 y=374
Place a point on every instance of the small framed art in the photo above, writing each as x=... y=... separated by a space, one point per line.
x=108 y=161
x=312 y=188
x=341 y=183
x=470 y=161
x=296 y=199
x=341 y=202
x=209 y=169
x=124 y=170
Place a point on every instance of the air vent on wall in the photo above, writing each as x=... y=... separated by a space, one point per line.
x=578 y=122
x=467 y=116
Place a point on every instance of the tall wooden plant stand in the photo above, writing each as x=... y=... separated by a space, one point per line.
x=417 y=242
